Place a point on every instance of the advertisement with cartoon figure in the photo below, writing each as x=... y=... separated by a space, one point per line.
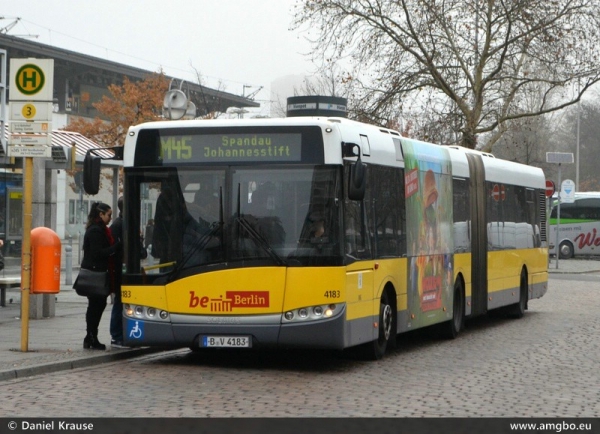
x=428 y=192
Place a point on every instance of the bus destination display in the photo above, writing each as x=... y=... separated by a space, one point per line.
x=231 y=148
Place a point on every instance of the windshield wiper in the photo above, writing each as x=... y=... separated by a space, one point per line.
x=198 y=245
x=259 y=240
x=201 y=242
x=254 y=234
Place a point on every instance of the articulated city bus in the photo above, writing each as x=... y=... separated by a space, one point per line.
x=579 y=225
x=320 y=233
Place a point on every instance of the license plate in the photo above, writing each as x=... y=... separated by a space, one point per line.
x=226 y=341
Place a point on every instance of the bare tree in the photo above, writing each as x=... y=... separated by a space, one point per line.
x=587 y=118
x=209 y=107
x=330 y=82
x=468 y=62
x=524 y=141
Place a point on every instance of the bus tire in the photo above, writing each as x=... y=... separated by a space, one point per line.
x=566 y=250
x=518 y=309
x=451 y=329
x=375 y=350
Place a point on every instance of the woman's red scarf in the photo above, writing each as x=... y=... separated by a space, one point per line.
x=111 y=259
x=111 y=240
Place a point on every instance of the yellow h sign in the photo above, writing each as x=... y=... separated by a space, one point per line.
x=31 y=79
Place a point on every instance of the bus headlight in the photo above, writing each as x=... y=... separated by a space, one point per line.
x=330 y=310
x=312 y=313
x=145 y=312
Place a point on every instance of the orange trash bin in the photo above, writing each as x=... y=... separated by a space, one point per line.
x=45 y=261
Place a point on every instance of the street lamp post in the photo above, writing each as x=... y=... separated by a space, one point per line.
x=577 y=147
x=558 y=158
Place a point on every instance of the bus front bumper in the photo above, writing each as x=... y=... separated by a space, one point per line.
x=264 y=330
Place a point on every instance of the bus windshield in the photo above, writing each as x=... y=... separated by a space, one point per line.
x=258 y=215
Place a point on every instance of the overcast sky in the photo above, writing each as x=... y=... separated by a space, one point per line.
x=236 y=42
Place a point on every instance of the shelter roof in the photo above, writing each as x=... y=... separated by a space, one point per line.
x=68 y=138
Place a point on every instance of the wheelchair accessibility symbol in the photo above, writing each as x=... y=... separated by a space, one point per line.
x=135 y=329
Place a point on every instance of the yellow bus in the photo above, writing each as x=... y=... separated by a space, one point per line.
x=316 y=232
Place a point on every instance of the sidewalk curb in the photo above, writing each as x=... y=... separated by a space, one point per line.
x=80 y=362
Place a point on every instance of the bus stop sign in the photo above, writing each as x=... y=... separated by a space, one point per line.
x=567 y=191
x=550 y=188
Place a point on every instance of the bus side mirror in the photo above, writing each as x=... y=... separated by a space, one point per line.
x=91 y=173
x=356 y=178
x=350 y=149
x=357 y=181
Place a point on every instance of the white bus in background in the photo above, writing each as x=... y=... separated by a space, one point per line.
x=579 y=225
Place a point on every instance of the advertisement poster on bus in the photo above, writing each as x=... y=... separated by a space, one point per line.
x=428 y=192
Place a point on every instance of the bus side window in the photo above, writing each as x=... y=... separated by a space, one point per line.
x=352 y=240
x=357 y=243
x=356 y=239
x=461 y=213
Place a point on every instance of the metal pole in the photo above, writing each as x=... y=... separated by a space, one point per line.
x=556 y=250
x=3 y=107
x=577 y=144
x=81 y=222
x=577 y=148
x=26 y=252
x=69 y=262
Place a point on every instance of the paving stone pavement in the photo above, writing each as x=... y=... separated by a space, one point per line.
x=56 y=343
x=52 y=343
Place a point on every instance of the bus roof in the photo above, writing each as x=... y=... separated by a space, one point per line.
x=384 y=150
x=381 y=146
x=578 y=195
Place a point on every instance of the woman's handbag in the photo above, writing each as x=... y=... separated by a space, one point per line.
x=91 y=283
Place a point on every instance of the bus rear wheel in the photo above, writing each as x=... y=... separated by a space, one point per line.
x=517 y=310
x=451 y=329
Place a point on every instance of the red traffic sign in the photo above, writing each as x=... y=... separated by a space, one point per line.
x=496 y=192
x=550 y=188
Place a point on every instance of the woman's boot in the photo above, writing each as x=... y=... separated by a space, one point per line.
x=91 y=342
x=87 y=341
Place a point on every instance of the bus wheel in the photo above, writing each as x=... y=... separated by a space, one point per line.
x=566 y=250
x=375 y=350
x=517 y=310
x=452 y=328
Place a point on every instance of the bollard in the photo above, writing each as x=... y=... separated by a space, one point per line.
x=79 y=248
x=69 y=263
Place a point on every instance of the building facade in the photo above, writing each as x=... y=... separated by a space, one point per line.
x=79 y=82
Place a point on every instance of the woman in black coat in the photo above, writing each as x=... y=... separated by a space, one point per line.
x=99 y=250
